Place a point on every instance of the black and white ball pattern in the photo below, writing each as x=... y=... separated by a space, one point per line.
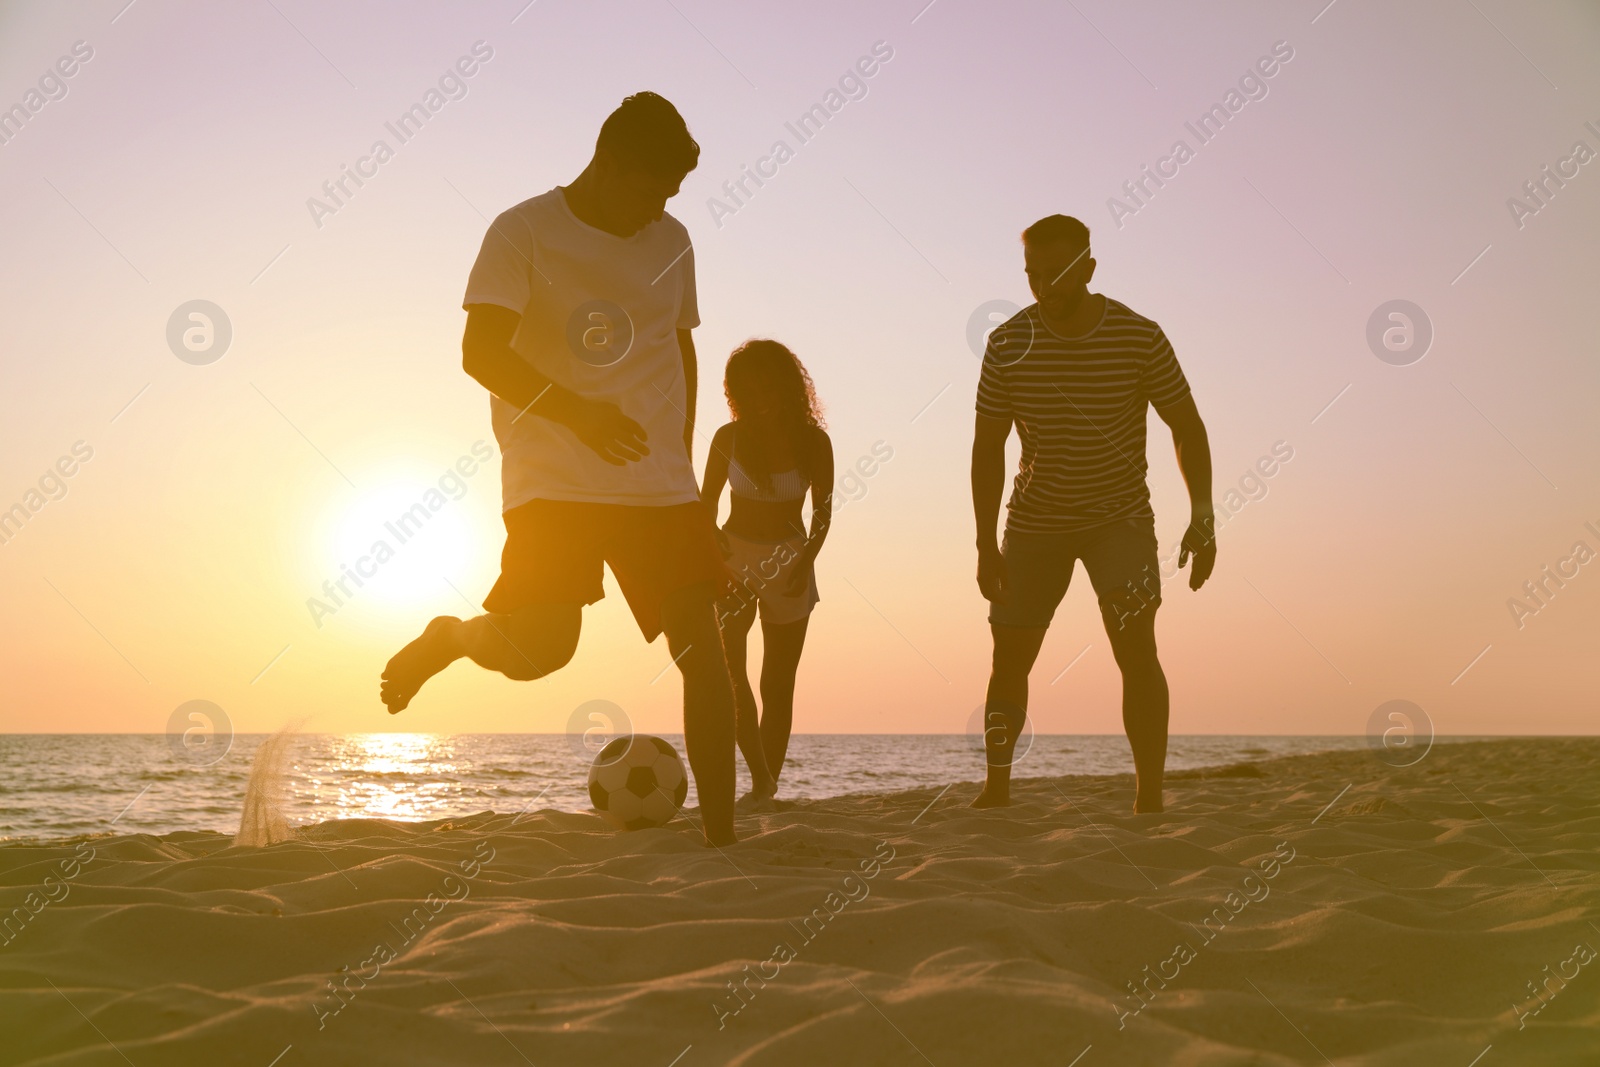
x=638 y=781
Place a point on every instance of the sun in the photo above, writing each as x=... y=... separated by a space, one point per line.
x=399 y=543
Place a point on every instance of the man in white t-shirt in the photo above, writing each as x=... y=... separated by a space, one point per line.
x=579 y=312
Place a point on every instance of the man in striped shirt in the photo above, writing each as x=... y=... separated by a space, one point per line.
x=1074 y=373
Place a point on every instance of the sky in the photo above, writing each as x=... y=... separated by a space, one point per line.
x=210 y=497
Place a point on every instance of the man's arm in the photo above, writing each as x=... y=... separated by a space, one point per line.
x=1193 y=446
x=487 y=355
x=988 y=486
x=691 y=387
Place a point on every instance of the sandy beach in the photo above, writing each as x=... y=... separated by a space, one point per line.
x=1304 y=910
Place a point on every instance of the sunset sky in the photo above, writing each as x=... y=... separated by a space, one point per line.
x=1378 y=163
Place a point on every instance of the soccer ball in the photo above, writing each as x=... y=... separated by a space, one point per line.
x=637 y=781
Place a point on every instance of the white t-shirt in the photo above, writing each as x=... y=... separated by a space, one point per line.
x=620 y=302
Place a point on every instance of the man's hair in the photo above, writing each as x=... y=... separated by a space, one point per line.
x=647 y=133
x=1054 y=228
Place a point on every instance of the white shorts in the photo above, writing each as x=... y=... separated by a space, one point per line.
x=759 y=573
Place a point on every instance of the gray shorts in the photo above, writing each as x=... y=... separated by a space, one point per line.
x=1121 y=557
x=759 y=573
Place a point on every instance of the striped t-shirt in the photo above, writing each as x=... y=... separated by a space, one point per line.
x=1079 y=408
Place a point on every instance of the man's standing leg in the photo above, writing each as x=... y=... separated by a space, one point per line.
x=1123 y=566
x=1038 y=569
x=689 y=619
x=1144 y=703
x=1005 y=707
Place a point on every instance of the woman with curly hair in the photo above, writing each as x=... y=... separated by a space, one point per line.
x=770 y=456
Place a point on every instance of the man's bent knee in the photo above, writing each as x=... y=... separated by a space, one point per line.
x=539 y=661
x=542 y=639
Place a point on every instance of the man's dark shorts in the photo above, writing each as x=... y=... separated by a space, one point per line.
x=556 y=551
x=1121 y=557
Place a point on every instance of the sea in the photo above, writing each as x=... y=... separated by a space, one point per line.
x=64 y=785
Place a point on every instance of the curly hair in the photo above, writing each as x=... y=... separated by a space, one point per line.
x=798 y=410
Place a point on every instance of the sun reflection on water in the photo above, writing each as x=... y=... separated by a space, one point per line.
x=387 y=776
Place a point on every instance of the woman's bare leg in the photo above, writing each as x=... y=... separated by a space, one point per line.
x=736 y=642
x=782 y=644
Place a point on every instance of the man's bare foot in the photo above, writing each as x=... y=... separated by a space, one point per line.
x=762 y=790
x=993 y=798
x=436 y=649
x=1148 y=805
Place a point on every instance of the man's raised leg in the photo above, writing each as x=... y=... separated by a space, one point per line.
x=1144 y=702
x=526 y=644
x=1005 y=709
x=689 y=619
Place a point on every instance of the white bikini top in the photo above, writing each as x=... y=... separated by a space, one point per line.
x=783 y=487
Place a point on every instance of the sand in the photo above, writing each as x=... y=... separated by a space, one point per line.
x=1358 y=915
